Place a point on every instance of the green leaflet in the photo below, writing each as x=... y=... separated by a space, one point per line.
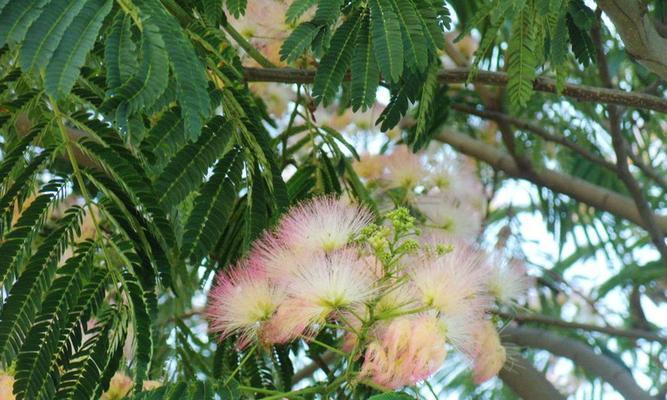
x=297 y=9
x=335 y=62
x=431 y=31
x=65 y=66
x=387 y=39
x=559 y=40
x=143 y=331
x=521 y=62
x=88 y=373
x=213 y=13
x=22 y=182
x=414 y=42
x=19 y=238
x=46 y=32
x=146 y=86
x=298 y=41
x=120 y=52
x=327 y=12
x=186 y=170
x=236 y=7
x=365 y=74
x=14 y=154
x=429 y=88
x=257 y=209
x=189 y=73
x=38 y=354
x=164 y=139
x=24 y=298
x=16 y=17
x=213 y=206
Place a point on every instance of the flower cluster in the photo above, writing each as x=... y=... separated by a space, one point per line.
x=397 y=300
x=445 y=190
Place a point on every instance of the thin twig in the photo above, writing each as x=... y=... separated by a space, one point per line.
x=537 y=130
x=547 y=320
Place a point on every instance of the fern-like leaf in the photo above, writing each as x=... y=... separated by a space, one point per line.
x=335 y=62
x=19 y=238
x=16 y=17
x=236 y=7
x=189 y=73
x=148 y=84
x=521 y=63
x=298 y=41
x=297 y=9
x=365 y=73
x=119 y=52
x=186 y=170
x=37 y=358
x=65 y=66
x=387 y=39
x=420 y=138
x=84 y=376
x=22 y=183
x=414 y=42
x=327 y=12
x=213 y=206
x=142 y=328
x=428 y=19
x=14 y=153
x=23 y=301
x=46 y=32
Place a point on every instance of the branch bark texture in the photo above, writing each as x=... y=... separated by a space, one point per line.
x=460 y=75
x=640 y=34
x=527 y=382
x=576 y=188
x=611 y=371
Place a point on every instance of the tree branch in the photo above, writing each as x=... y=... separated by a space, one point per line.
x=621 y=149
x=537 y=130
x=640 y=35
x=460 y=75
x=547 y=320
x=576 y=188
x=609 y=370
x=526 y=381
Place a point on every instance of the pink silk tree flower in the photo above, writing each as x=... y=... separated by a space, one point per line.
x=322 y=224
x=274 y=257
x=404 y=168
x=446 y=214
x=325 y=285
x=6 y=386
x=241 y=301
x=405 y=351
x=508 y=280
x=448 y=281
x=491 y=355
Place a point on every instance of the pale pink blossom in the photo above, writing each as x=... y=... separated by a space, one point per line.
x=241 y=301
x=325 y=223
x=448 y=281
x=278 y=260
x=508 y=279
x=6 y=386
x=447 y=214
x=369 y=167
x=404 y=168
x=405 y=351
x=119 y=387
x=491 y=355
x=327 y=283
